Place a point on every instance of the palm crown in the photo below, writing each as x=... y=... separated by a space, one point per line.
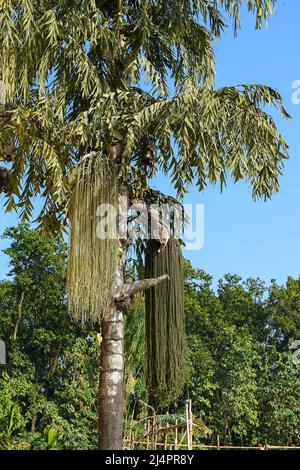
x=77 y=74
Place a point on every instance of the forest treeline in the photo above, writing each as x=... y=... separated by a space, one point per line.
x=240 y=371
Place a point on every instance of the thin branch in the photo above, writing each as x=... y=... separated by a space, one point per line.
x=128 y=290
x=16 y=327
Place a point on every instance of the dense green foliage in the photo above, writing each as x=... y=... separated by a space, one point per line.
x=79 y=74
x=242 y=379
x=50 y=381
x=239 y=372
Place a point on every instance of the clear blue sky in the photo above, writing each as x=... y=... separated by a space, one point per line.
x=259 y=239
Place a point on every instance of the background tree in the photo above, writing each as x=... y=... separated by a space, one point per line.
x=283 y=314
x=50 y=381
x=279 y=396
x=240 y=373
x=240 y=378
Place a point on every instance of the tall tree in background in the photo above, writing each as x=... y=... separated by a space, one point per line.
x=88 y=96
x=50 y=381
x=239 y=373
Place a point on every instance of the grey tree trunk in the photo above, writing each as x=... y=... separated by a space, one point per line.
x=111 y=383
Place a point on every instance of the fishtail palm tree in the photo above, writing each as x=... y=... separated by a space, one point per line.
x=119 y=88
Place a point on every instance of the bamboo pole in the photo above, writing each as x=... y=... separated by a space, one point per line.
x=187 y=406
x=148 y=433
x=182 y=439
x=207 y=446
x=153 y=434
x=191 y=424
x=166 y=440
x=176 y=435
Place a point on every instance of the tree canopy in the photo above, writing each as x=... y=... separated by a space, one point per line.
x=79 y=73
x=239 y=371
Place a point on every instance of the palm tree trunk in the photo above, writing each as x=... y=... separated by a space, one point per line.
x=111 y=393
x=111 y=383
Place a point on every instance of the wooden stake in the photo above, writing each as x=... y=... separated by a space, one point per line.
x=148 y=432
x=153 y=434
x=166 y=439
x=187 y=417
x=191 y=424
x=182 y=439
